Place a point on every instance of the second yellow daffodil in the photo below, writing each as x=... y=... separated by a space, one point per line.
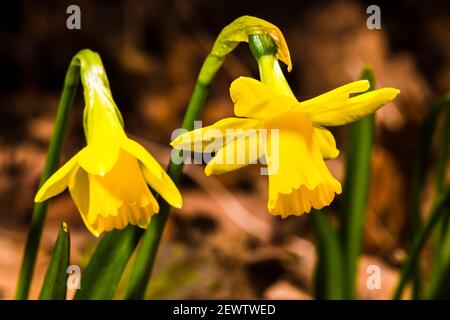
x=295 y=142
x=108 y=178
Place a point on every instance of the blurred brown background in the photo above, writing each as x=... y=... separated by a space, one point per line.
x=223 y=243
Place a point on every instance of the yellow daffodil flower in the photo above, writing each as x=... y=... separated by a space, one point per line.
x=298 y=176
x=107 y=178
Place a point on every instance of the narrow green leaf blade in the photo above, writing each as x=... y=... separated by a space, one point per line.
x=440 y=276
x=420 y=239
x=421 y=159
x=51 y=164
x=54 y=286
x=356 y=190
x=420 y=164
x=328 y=274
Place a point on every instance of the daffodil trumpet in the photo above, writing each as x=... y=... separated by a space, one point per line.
x=299 y=179
x=108 y=178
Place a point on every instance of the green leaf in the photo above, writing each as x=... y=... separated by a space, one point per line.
x=102 y=274
x=54 y=286
x=420 y=239
x=51 y=164
x=439 y=278
x=421 y=160
x=328 y=274
x=356 y=191
x=420 y=164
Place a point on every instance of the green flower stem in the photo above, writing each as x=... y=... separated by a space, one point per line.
x=436 y=214
x=356 y=192
x=54 y=286
x=51 y=164
x=145 y=259
x=240 y=30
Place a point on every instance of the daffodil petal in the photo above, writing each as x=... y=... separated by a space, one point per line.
x=164 y=186
x=58 y=181
x=338 y=96
x=79 y=191
x=138 y=151
x=326 y=142
x=214 y=137
x=352 y=109
x=253 y=99
x=243 y=151
x=99 y=158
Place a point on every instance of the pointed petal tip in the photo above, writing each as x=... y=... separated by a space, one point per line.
x=391 y=93
x=37 y=198
x=40 y=195
x=365 y=84
x=208 y=171
x=176 y=201
x=178 y=205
